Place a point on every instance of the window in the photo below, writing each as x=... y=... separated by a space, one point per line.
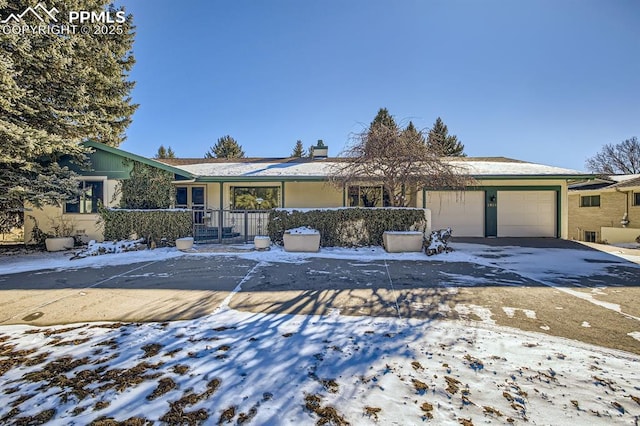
x=590 y=201
x=367 y=196
x=590 y=236
x=636 y=198
x=87 y=201
x=255 y=197
x=181 y=197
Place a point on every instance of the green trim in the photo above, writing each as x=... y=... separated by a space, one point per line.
x=491 y=212
x=231 y=179
x=135 y=157
x=325 y=178
x=344 y=196
x=424 y=198
x=221 y=195
x=559 y=213
x=282 y=190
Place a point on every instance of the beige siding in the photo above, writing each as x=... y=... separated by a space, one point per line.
x=613 y=206
x=85 y=225
x=312 y=194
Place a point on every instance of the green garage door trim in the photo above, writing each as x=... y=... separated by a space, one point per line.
x=491 y=206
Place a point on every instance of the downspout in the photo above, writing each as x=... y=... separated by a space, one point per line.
x=625 y=219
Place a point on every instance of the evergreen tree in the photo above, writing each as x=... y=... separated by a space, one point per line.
x=440 y=141
x=226 y=147
x=396 y=159
x=165 y=153
x=383 y=126
x=298 y=150
x=55 y=92
x=147 y=188
x=411 y=133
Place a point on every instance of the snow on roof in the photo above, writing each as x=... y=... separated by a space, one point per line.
x=622 y=178
x=321 y=168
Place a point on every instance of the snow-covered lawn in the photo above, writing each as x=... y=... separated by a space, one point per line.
x=252 y=368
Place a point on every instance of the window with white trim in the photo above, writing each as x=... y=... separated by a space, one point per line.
x=87 y=202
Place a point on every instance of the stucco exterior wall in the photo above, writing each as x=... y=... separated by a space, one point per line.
x=613 y=205
x=312 y=194
x=85 y=225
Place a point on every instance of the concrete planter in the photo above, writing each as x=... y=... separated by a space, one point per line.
x=399 y=242
x=308 y=242
x=185 y=243
x=262 y=242
x=59 y=243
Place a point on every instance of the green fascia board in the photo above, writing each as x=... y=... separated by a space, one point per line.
x=523 y=177
x=230 y=179
x=326 y=178
x=130 y=156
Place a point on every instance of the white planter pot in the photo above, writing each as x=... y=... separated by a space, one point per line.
x=261 y=242
x=302 y=242
x=399 y=242
x=185 y=243
x=59 y=243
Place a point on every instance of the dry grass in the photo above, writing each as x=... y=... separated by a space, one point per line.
x=247 y=417
x=165 y=385
x=427 y=409
x=327 y=415
x=372 y=412
x=330 y=385
x=419 y=386
x=151 y=350
x=227 y=415
x=417 y=366
x=452 y=385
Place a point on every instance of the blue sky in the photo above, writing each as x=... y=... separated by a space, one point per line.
x=546 y=81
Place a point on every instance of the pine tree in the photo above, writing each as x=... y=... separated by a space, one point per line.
x=298 y=150
x=411 y=133
x=226 y=147
x=440 y=140
x=55 y=92
x=165 y=153
x=383 y=126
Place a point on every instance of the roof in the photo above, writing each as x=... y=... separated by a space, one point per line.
x=125 y=154
x=608 y=182
x=479 y=167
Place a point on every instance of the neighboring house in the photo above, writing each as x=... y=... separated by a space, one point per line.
x=510 y=198
x=606 y=209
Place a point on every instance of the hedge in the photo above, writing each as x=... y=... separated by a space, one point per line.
x=157 y=224
x=347 y=227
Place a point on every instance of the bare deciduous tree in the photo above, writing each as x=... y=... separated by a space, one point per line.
x=623 y=157
x=399 y=161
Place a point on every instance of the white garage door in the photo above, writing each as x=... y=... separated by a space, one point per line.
x=526 y=214
x=463 y=212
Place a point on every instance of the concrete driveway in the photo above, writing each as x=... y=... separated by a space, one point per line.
x=494 y=285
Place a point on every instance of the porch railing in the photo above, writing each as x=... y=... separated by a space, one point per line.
x=228 y=226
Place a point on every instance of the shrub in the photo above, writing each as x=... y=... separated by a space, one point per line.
x=168 y=224
x=347 y=227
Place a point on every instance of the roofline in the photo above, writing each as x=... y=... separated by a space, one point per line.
x=135 y=157
x=204 y=179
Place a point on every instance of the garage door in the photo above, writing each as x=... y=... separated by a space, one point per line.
x=463 y=212
x=526 y=214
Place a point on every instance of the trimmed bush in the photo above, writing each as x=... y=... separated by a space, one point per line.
x=169 y=224
x=347 y=227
